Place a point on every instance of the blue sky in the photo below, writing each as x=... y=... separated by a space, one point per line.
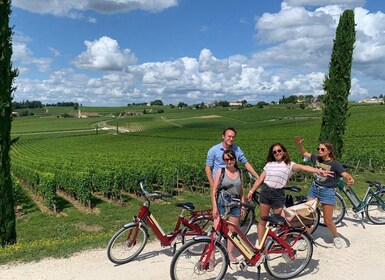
x=116 y=52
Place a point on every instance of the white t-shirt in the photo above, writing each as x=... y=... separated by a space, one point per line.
x=277 y=174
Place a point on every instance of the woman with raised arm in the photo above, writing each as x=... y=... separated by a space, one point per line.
x=324 y=187
x=274 y=177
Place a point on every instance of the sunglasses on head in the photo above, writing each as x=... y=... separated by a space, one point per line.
x=321 y=149
x=277 y=151
x=229 y=159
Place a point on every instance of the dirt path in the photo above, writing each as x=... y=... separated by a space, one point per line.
x=362 y=258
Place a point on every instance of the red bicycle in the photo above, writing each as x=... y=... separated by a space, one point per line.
x=284 y=251
x=129 y=241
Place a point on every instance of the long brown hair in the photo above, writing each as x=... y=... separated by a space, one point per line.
x=329 y=146
x=285 y=157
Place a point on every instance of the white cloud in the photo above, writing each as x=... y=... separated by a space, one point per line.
x=324 y=2
x=25 y=57
x=75 y=8
x=294 y=61
x=104 y=54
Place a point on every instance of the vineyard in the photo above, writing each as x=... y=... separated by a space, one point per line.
x=170 y=148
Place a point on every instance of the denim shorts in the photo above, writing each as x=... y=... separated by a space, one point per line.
x=273 y=197
x=325 y=195
x=233 y=211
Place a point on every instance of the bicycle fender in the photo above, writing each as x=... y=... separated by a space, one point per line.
x=133 y=223
x=201 y=237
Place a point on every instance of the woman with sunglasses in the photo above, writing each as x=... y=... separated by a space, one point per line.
x=324 y=187
x=273 y=178
x=228 y=184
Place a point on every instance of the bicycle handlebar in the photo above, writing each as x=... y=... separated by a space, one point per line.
x=155 y=194
x=376 y=184
x=245 y=204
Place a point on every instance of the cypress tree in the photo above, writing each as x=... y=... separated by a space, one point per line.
x=7 y=75
x=337 y=84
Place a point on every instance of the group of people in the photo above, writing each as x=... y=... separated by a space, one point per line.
x=224 y=174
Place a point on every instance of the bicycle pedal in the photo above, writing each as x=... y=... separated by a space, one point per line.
x=243 y=266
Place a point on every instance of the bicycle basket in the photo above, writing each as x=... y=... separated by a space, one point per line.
x=300 y=215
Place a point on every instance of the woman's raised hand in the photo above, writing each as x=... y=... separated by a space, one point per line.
x=298 y=140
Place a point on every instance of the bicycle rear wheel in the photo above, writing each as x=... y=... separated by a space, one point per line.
x=188 y=266
x=280 y=265
x=124 y=246
x=375 y=210
x=205 y=223
x=338 y=211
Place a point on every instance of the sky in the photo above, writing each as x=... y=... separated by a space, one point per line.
x=119 y=52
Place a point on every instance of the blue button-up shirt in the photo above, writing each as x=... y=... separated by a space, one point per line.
x=215 y=160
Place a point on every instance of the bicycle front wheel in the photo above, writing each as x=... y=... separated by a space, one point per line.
x=245 y=222
x=188 y=266
x=127 y=243
x=280 y=265
x=375 y=210
x=338 y=211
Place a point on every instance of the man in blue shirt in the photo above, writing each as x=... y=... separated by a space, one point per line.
x=214 y=161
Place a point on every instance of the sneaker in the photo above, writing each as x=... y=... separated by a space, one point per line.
x=233 y=259
x=302 y=245
x=337 y=242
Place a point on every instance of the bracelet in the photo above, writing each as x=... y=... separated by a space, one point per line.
x=251 y=192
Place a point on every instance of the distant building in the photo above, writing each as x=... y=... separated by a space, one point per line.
x=130 y=113
x=15 y=114
x=235 y=104
x=372 y=100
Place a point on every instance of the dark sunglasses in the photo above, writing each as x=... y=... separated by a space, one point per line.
x=277 y=151
x=229 y=159
x=321 y=149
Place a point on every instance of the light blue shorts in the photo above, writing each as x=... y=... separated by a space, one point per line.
x=233 y=211
x=324 y=194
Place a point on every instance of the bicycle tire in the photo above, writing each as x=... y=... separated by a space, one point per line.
x=280 y=265
x=375 y=209
x=204 y=223
x=187 y=266
x=246 y=221
x=119 y=249
x=338 y=212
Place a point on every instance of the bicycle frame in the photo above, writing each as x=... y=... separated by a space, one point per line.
x=253 y=254
x=358 y=204
x=168 y=239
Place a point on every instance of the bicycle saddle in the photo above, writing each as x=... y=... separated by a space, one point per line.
x=186 y=205
x=274 y=219
x=292 y=188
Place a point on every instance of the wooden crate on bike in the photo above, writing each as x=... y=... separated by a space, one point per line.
x=301 y=215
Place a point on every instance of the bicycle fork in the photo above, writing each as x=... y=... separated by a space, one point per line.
x=207 y=254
